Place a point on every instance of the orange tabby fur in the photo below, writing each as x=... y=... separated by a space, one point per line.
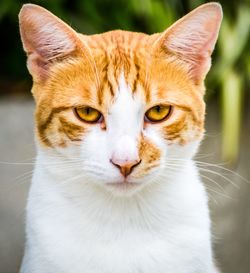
x=144 y=71
x=88 y=74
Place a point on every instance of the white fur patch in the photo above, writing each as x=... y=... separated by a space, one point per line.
x=124 y=123
x=163 y=227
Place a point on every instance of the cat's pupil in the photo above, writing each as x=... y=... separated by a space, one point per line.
x=87 y=110
x=158 y=108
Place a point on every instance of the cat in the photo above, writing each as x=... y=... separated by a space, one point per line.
x=119 y=117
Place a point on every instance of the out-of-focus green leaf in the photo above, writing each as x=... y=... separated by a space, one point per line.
x=234 y=36
x=162 y=16
x=232 y=93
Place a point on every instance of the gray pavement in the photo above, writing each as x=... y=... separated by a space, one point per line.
x=229 y=201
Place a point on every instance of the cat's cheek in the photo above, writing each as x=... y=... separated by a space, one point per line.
x=182 y=152
x=152 y=151
x=154 y=135
x=183 y=132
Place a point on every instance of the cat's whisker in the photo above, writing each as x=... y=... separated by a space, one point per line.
x=214 y=173
x=72 y=179
x=219 y=175
x=174 y=165
x=17 y=163
x=92 y=162
x=23 y=175
x=218 y=166
x=211 y=197
x=211 y=180
x=97 y=173
x=19 y=181
x=167 y=175
x=94 y=166
x=207 y=155
x=223 y=169
x=62 y=164
x=33 y=163
x=209 y=188
x=219 y=193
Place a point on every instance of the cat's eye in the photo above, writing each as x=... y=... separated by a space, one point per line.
x=88 y=114
x=158 y=113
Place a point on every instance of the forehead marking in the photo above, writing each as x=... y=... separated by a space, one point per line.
x=125 y=113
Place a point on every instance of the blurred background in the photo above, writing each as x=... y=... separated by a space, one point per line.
x=226 y=147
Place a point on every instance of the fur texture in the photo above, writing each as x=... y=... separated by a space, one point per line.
x=83 y=215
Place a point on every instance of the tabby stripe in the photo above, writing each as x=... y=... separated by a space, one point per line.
x=42 y=127
x=71 y=130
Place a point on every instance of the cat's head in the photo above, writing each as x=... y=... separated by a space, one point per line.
x=123 y=105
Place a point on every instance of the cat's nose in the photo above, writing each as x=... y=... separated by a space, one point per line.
x=125 y=166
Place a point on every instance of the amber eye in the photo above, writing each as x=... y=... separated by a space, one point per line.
x=158 y=113
x=88 y=114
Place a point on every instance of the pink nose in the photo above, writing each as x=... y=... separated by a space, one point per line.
x=125 y=167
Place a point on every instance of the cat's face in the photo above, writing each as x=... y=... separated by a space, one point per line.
x=124 y=104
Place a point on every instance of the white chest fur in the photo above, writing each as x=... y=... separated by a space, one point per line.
x=165 y=228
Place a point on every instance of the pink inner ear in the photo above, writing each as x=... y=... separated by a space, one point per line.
x=213 y=29
x=45 y=37
x=37 y=66
x=193 y=38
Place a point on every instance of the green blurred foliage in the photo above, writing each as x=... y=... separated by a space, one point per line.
x=229 y=77
x=95 y=16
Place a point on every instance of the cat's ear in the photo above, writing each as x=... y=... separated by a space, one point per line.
x=193 y=37
x=45 y=38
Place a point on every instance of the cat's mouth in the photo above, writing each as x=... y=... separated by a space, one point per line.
x=123 y=184
x=123 y=188
x=129 y=183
